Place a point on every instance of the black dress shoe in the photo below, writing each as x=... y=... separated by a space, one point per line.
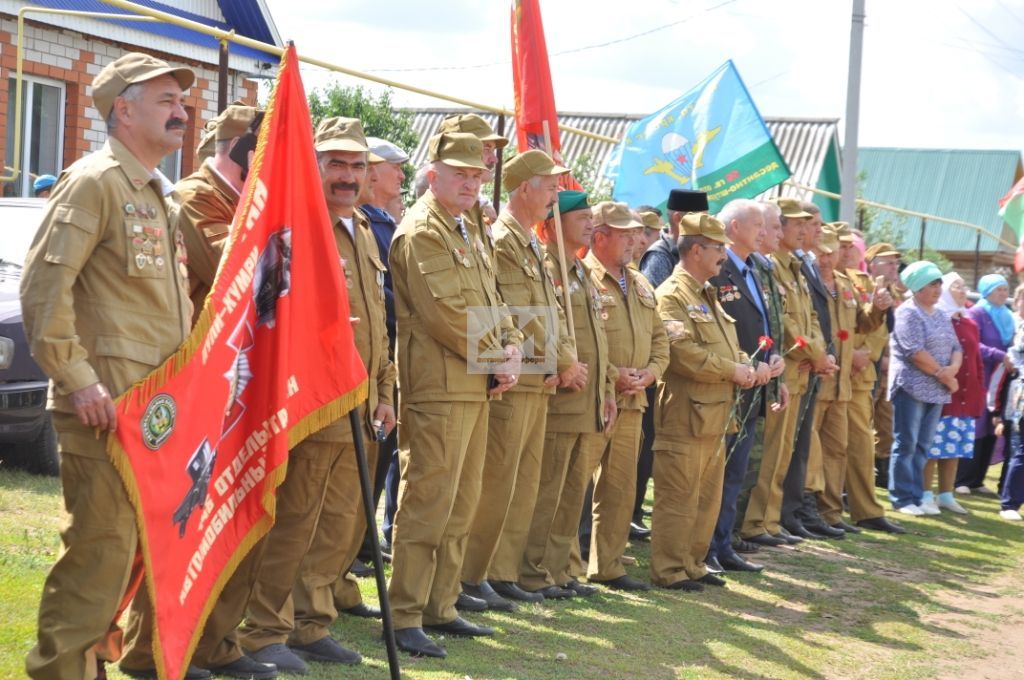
x=686 y=585
x=485 y=592
x=359 y=569
x=638 y=532
x=460 y=627
x=247 y=668
x=581 y=589
x=416 y=642
x=798 y=531
x=556 y=593
x=711 y=580
x=625 y=582
x=825 y=530
x=191 y=673
x=745 y=547
x=737 y=563
x=767 y=539
x=848 y=528
x=712 y=565
x=790 y=539
x=512 y=591
x=881 y=524
x=363 y=611
x=467 y=603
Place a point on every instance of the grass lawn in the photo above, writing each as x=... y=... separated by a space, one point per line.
x=945 y=600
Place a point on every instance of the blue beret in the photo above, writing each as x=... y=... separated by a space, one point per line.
x=43 y=182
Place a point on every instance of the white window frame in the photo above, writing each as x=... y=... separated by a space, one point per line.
x=24 y=178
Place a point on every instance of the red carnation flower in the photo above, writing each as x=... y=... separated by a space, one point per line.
x=801 y=342
x=843 y=335
x=764 y=342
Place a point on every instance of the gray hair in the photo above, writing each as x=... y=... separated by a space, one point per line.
x=534 y=182
x=768 y=207
x=736 y=209
x=688 y=241
x=420 y=184
x=131 y=93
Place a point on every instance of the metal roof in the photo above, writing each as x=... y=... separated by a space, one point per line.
x=961 y=184
x=249 y=18
x=804 y=143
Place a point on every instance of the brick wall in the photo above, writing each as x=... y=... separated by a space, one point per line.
x=74 y=59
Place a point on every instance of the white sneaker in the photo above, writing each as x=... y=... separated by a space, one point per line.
x=1011 y=515
x=984 y=491
x=953 y=506
x=929 y=508
x=911 y=510
x=963 y=490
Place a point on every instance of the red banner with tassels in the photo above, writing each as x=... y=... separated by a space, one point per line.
x=202 y=443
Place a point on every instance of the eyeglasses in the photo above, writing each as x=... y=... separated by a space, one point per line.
x=720 y=247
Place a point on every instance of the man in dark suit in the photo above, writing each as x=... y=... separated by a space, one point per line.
x=742 y=297
x=799 y=510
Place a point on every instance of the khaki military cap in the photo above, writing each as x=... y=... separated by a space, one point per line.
x=790 y=208
x=880 y=250
x=234 y=121
x=134 y=67
x=615 y=215
x=650 y=219
x=342 y=134
x=474 y=125
x=207 y=140
x=701 y=224
x=458 y=149
x=843 y=231
x=829 y=242
x=532 y=163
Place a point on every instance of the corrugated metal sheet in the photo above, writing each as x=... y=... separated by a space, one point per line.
x=958 y=184
x=804 y=143
x=132 y=32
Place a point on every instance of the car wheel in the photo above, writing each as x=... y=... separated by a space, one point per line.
x=39 y=456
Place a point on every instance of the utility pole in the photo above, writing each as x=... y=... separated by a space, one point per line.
x=847 y=206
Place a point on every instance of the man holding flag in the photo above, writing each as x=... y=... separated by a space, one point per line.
x=105 y=302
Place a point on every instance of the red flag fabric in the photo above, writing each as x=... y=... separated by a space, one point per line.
x=202 y=443
x=531 y=76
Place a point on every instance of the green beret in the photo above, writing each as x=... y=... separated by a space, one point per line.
x=569 y=201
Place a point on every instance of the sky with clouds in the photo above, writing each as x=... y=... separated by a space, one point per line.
x=936 y=73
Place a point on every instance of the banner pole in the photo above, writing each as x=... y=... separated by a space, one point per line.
x=560 y=240
x=378 y=561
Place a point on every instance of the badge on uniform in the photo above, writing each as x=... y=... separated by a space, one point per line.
x=129 y=209
x=460 y=255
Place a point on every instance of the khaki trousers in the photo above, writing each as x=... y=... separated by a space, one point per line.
x=85 y=585
x=860 y=466
x=441 y=456
x=270 y=614
x=828 y=450
x=765 y=504
x=219 y=643
x=566 y=469
x=613 y=505
x=515 y=447
x=687 y=499
x=324 y=585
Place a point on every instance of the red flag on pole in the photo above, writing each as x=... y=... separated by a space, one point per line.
x=202 y=443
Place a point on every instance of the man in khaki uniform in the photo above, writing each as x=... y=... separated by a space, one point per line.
x=883 y=260
x=638 y=347
x=319 y=524
x=578 y=419
x=865 y=510
x=206 y=207
x=694 y=410
x=456 y=345
x=516 y=423
x=761 y=522
x=826 y=466
x=105 y=301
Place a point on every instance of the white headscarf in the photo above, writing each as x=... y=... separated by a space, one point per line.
x=946 y=302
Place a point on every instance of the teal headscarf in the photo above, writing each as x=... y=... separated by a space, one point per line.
x=1000 y=314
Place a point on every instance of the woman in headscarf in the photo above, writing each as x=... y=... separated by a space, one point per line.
x=995 y=328
x=1012 y=495
x=924 y=358
x=954 y=436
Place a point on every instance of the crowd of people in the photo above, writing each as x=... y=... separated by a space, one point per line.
x=757 y=364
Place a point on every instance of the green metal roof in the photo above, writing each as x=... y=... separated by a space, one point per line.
x=960 y=184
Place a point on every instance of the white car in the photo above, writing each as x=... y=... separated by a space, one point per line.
x=27 y=438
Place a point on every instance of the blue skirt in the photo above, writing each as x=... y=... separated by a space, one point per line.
x=954 y=438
